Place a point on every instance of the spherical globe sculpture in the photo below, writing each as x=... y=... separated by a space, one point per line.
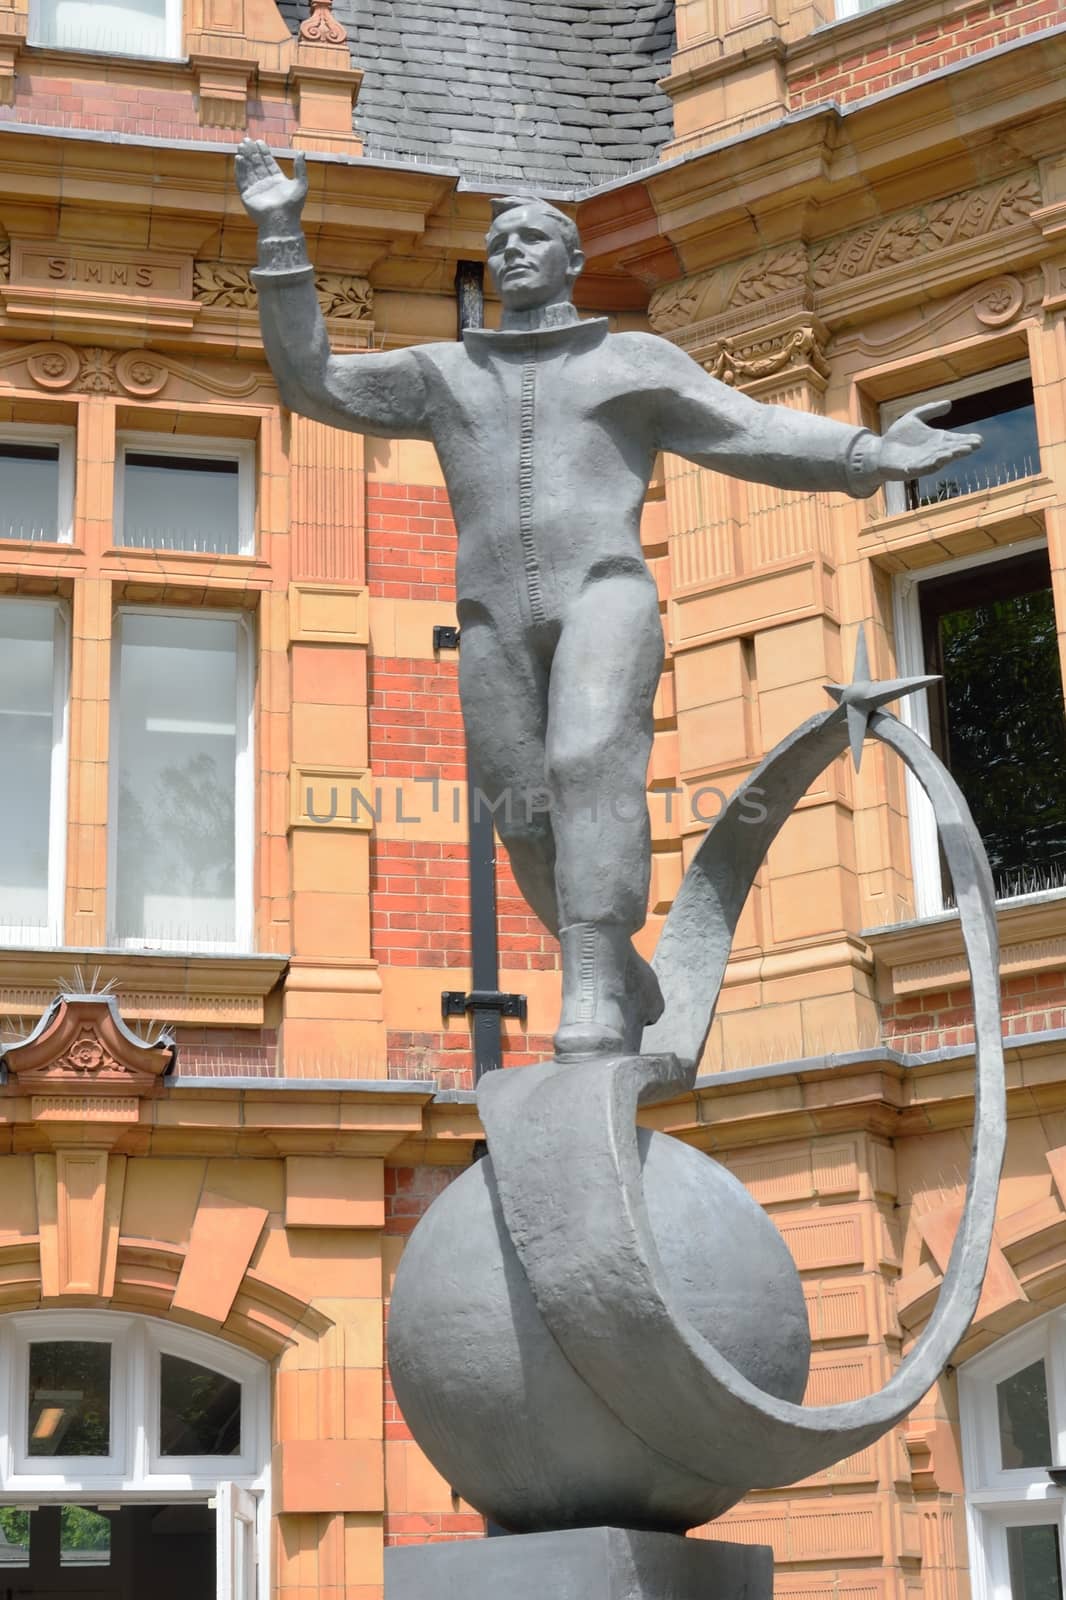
x=596 y=1326
x=500 y=1411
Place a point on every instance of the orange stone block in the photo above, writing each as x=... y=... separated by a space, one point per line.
x=323 y=1475
x=334 y=1192
x=224 y=1236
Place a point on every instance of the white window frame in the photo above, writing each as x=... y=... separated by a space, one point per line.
x=242 y=451
x=997 y=1499
x=174 y=49
x=856 y=8
x=892 y=410
x=913 y=710
x=41 y=433
x=238 y=1487
x=244 y=793
x=51 y=933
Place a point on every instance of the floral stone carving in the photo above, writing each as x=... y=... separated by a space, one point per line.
x=82 y=1042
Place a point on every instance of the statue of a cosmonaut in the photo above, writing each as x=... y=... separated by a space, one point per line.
x=547 y=433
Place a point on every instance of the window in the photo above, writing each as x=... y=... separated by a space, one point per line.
x=853 y=8
x=181 y=790
x=33 y=731
x=95 y=1397
x=108 y=27
x=185 y=494
x=36 y=483
x=1013 y=1409
x=999 y=406
x=996 y=719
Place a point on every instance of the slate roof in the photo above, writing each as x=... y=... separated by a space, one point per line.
x=560 y=93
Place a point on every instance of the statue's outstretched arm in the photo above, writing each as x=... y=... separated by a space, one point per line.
x=708 y=422
x=381 y=392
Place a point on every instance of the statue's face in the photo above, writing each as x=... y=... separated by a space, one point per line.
x=529 y=259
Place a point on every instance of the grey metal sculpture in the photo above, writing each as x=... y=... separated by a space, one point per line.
x=547 y=433
x=595 y=1334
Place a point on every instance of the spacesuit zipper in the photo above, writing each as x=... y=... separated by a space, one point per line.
x=534 y=588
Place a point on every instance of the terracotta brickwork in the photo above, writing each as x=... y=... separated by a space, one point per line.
x=121 y=101
x=1032 y=1003
x=869 y=66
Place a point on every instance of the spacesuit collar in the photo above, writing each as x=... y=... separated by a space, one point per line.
x=572 y=333
x=560 y=314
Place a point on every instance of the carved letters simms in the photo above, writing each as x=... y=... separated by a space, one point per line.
x=918 y=231
x=221 y=283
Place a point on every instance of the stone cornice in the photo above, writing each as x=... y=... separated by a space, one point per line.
x=928 y=956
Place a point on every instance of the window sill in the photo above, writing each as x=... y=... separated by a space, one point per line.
x=109 y=57
x=964 y=526
x=927 y=955
x=156 y=985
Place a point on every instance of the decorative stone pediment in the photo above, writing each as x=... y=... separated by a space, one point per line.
x=82 y=1043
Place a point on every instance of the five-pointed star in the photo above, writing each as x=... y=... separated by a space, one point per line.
x=862 y=697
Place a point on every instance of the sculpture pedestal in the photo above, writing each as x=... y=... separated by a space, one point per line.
x=580 y=1564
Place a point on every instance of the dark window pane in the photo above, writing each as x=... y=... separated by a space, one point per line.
x=1024 y=1429
x=29 y=492
x=174 y=502
x=997 y=719
x=1035 y=1570
x=84 y=1537
x=70 y=1398
x=14 y=1537
x=1006 y=420
x=199 y=1410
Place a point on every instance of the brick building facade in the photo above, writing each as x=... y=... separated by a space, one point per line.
x=239 y=796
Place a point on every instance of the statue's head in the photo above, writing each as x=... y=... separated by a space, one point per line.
x=534 y=252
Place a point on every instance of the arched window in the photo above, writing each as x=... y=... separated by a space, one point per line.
x=1012 y=1402
x=119 y=1432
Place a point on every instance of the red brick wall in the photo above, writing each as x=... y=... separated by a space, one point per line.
x=109 y=98
x=868 y=69
x=1032 y=1003
x=411 y=542
x=419 y=888
x=409 y=1192
x=227 y=1052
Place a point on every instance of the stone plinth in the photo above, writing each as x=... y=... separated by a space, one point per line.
x=580 y=1564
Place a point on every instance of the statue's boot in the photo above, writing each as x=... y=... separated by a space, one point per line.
x=644 y=1001
x=609 y=992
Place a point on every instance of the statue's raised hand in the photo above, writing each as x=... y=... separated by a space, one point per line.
x=272 y=200
x=910 y=448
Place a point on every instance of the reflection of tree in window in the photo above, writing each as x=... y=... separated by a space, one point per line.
x=1024 y=1426
x=199 y=1410
x=70 y=1398
x=1005 y=418
x=998 y=718
x=1034 y=1563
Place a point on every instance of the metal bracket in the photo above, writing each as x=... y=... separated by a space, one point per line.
x=454 y=1003
x=445 y=638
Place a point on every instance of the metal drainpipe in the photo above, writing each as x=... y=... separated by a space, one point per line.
x=485 y=959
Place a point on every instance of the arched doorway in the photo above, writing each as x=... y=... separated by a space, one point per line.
x=133 y=1460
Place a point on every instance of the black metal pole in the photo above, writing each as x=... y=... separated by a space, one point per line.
x=484 y=947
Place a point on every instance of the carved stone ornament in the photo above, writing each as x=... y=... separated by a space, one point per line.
x=94 y=370
x=340 y=294
x=82 y=1042
x=918 y=231
x=924 y=229
x=736 y=362
x=322 y=27
x=5 y=260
